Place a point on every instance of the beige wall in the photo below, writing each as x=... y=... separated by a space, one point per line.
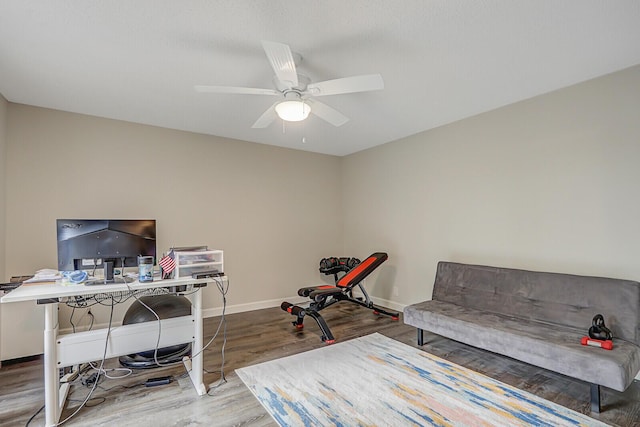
x=547 y=184
x=268 y=208
x=550 y=183
x=3 y=144
x=3 y=158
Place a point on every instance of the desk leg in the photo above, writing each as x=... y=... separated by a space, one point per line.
x=51 y=378
x=195 y=366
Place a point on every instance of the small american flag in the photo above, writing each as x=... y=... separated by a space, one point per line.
x=168 y=264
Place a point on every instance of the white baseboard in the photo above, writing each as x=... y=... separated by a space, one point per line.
x=257 y=305
x=388 y=304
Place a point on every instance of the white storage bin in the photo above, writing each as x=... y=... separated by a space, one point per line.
x=188 y=263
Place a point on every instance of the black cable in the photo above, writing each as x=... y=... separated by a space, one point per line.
x=73 y=310
x=100 y=370
x=116 y=298
x=33 y=416
x=80 y=301
x=93 y=318
x=121 y=386
x=89 y=380
x=88 y=405
x=85 y=302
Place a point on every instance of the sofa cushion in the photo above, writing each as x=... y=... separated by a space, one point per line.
x=559 y=299
x=548 y=346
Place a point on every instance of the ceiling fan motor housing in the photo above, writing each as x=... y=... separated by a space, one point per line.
x=303 y=81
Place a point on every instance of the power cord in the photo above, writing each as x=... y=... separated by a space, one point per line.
x=223 y=322
x=155 y=351
x=223 y=291
x=73 y=326
x=94 y=379
x=33 y=416
x=90 y=380
x=97 y=380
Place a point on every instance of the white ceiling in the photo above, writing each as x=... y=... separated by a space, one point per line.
x=138 y=60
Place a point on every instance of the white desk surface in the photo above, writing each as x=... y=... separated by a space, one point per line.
x=36 y=291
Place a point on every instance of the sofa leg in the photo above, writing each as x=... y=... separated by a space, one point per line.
x=595 y=398
x=420 y=337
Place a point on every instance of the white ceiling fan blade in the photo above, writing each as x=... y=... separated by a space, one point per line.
x=327 y=113
x=282 y=62
x=266 y=118
x=353 y=84
x=236 y=90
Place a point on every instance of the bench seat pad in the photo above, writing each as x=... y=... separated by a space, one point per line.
x=550 y=346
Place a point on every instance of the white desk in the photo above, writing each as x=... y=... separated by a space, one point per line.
x=72 y=349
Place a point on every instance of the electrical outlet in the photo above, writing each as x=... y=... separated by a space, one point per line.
x=396 y=292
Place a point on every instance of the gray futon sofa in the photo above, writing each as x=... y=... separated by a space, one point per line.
x=538 y=318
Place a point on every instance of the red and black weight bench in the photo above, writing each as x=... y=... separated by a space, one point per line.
x=326 y=295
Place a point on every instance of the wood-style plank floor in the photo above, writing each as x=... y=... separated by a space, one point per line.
x=264 y=335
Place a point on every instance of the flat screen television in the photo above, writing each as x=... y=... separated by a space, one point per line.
x=87 y=244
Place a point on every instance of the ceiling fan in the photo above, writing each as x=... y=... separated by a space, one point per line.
x=296 y=91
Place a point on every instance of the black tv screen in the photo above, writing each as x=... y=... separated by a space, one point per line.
x=89 y=243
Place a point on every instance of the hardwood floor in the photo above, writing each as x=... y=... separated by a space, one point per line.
x=264 y=335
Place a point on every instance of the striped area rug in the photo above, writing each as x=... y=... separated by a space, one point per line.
x=377 y=381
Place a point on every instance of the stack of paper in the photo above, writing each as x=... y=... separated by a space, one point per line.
x=45 y=275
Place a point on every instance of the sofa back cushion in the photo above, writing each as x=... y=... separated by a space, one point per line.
x=559 y=299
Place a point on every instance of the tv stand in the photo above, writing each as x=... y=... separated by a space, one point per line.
x=108 y=271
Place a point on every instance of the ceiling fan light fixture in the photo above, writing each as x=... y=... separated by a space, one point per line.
x=293 y=111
